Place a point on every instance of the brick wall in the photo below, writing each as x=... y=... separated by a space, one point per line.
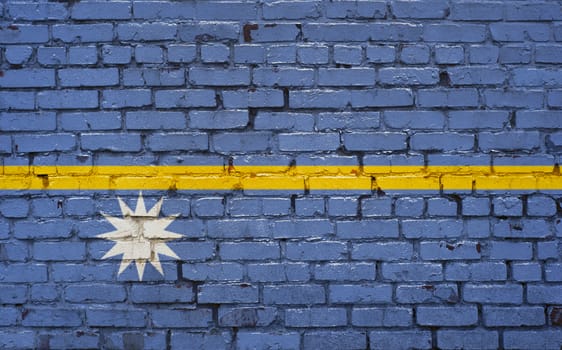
x=340 y=174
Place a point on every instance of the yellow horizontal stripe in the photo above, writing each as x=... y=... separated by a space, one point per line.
x=280 y=178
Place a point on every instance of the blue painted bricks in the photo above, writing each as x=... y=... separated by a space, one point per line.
x=290 y=85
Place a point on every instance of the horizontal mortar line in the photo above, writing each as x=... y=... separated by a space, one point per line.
x=320 y=177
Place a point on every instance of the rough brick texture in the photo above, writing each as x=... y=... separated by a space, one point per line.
x=283 y=83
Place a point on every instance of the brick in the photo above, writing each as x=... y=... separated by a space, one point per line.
x=92 y=10
x=113 y=142
x=472 y=339
x=126 y=98
x=208 y=31
x=25 y=33
x=212 y=272
x=477 y=76
x=345 y=272
x=149 y=54
x=253 y=340
x=364 y=229
x=309 y=141
x=543 y=339
x=342 y=340
x=181 y=53
x=208 y=207
x=363 y=141
x=441 y=207
x=449 y=54
x=44 y=143
x=215 y=53
x=414 y=119
x=280 y=54
x=448 y=98
x=210 y=76
x=85 y=33
x=241 y=142
x=320 y=251
x=544 y=294
x=23 y=273
x=518 y=32
x=449 y=251
x=283 y=77
x=390 y=251
x=346 y=77
x=526 y=272
x=226 y=119
x=156 y=77
x=380 y=54
x=74 y=340
x=442 y=141
x=478 y=119
x=184 y=99
x=294 y=294
x=145 y=120
x=382 y=98
x=402 y=340
x=227 y=294
x=116 y=54
x=13 y=294
x=246 y=316
x=360 y=294
x=483 y=271
x=348 y=55
x=18 y=54
x=493 y=294
x=273 y=33
x=412 y=272
x=146 y=31
x=312 y=54
x=14 y=340
x=291 y=10
x=37 y=12
x=515 y=140
x=536 y=77
x=309 y=206
x=356 y=9
x=79 y=77
x=507 y=206
x=514 y=54
x=59 y=251
x=511 y=250
x=278 y=272
x=41 y=121
x=315 y=317
x=532 y=12
x=94 y=293
x=419 y=10
x=409 y=76
x=249 y=251
x=249 y=54
x=427 y=293
x=483 y=54
x=352 y=32
x=470 y=11
x=415 y=54
x=20 y=78
x=381 y=317
x=452 y=316
x=17 y=100
x=497 y=316
x=455 y=33
x=552 y=272
x=115 y=317
x=282 y=120
x=239 y=228
x=52 y=317
x=178 y=293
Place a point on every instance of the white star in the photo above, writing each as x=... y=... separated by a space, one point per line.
x=140 y=236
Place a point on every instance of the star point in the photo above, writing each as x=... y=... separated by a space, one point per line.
x=140 y=236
